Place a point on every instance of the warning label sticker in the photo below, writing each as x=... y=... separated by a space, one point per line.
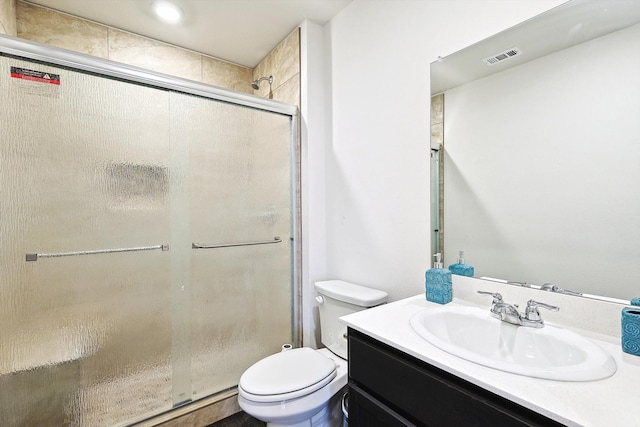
x=35 y=76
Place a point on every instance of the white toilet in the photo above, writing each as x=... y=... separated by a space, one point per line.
x=301 y=387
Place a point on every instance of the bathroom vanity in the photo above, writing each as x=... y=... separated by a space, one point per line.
x=388 y=387
x=397 y=378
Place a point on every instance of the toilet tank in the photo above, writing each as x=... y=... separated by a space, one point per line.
x=337 y=298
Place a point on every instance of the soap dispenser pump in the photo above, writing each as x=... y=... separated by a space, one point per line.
x=438 y=283
x=460 y=268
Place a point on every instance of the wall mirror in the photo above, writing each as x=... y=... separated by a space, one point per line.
x=540 y=151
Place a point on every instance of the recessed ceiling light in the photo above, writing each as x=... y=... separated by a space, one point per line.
x=167 y=11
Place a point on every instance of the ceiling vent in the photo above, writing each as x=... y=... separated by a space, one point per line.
x=502 y=56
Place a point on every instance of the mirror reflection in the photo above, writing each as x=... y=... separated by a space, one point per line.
x=539 y=148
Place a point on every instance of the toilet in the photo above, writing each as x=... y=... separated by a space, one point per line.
x=302 y=386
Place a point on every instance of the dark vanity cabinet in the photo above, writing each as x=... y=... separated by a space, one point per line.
x=388 y=387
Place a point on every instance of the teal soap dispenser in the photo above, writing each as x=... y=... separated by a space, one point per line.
x=438 y=283
x=460 y=268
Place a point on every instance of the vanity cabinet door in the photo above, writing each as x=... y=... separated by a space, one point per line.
x=425 y=395
x=366 y=410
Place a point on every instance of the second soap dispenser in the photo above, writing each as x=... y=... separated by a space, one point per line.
x=460 y=268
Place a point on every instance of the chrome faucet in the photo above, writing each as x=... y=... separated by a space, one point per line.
x=532 y=316
x=509 y=312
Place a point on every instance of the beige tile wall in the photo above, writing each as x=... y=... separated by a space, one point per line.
x=283 y=63
x=226 y=74
x=8 y=17
x=56 y=29
x=46 y=26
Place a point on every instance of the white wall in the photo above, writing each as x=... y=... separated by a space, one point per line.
x=313 y=128
x=376 y=191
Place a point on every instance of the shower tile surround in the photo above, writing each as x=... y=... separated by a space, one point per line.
x=283 y=63
x=152 y=55
x=47 y=26
x=57 y=29
x=8 y=17
x=60 y=30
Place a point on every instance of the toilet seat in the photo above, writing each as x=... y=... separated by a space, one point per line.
x=287 y=375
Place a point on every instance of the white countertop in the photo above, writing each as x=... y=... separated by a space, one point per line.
x=612 y=402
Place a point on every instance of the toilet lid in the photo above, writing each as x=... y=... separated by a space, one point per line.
x=292 y=373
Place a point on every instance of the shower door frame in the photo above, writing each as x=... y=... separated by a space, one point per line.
x=15 y=47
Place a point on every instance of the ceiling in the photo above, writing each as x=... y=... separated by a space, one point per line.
x=239 y=31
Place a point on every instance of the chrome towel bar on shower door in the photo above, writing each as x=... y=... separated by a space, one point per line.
x=227 y=245
x=34 y=257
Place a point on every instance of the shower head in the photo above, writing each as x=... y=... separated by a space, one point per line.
x=256 y=83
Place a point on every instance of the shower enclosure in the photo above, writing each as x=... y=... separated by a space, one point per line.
x=148 y=238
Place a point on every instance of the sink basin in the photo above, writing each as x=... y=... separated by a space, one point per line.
x=551 y=352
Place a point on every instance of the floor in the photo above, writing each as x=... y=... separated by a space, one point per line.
x=241 y=419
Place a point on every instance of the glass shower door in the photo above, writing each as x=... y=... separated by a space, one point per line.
x=240 y=227
x=109 y=315
x=85 y=175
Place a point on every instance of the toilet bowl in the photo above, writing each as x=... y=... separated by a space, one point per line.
x=303 y=386
x=294 y=388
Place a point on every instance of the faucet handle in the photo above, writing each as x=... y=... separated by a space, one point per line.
x=550 y=287
x=496 y=296
x=532 y=313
